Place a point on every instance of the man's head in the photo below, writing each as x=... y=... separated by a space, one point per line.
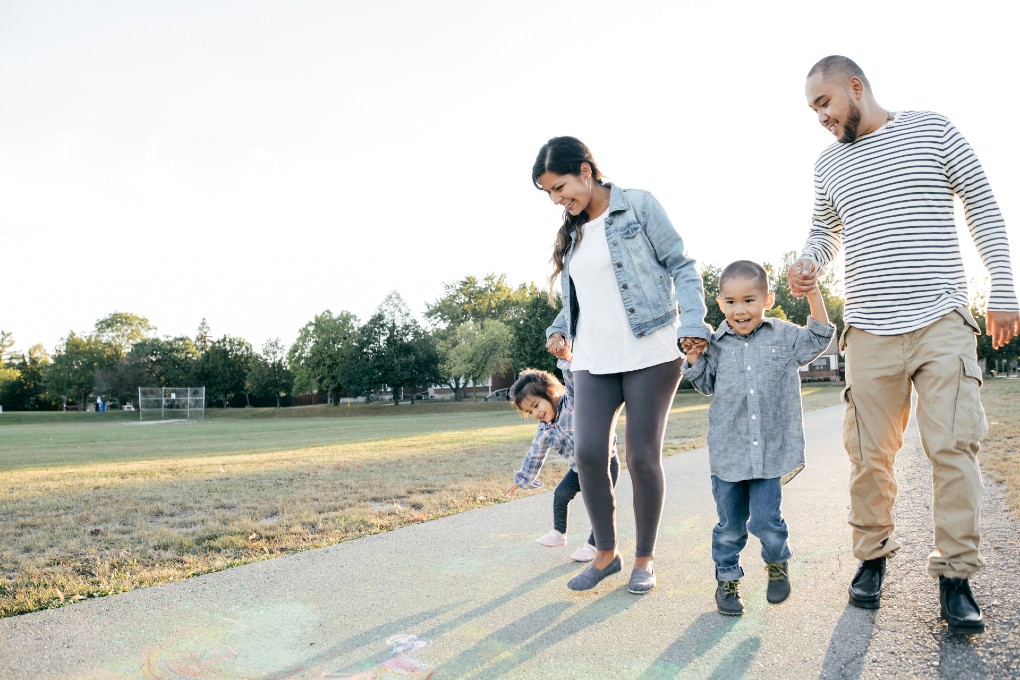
x=744 y=295
x=839 y=93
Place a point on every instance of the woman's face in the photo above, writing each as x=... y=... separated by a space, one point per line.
x=573 y=192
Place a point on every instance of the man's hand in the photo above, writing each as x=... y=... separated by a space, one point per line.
x=802 y=276
x=1002 y=327
x=511 y=491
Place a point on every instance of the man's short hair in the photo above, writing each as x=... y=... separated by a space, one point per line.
x=836 y=65
x=745 y=269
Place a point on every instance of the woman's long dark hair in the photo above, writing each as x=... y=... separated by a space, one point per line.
x=564 y=156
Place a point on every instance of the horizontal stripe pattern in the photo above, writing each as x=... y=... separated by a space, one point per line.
x=887 y=199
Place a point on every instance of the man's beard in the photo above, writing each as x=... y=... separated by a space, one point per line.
x=853 y=121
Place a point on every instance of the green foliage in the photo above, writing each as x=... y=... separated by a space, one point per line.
x=76 y=363
x=120 y=330
x=162 y=362
x=323 y=346
x=222 y=369
x=268 y=373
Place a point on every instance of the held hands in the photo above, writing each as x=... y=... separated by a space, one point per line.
x=1002 y=327
x=693 y=348
x=803 y=276
x=558 y=347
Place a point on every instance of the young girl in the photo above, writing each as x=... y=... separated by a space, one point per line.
x=540 y=396
x=624 y=273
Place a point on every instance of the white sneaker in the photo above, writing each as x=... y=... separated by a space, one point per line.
x=586 y=553
x=553 y=539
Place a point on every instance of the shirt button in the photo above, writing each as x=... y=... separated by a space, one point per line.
x=631 y=310
x=624 y=286
x=619 y=265
x=609 y=220
x=756 y=442
x=752 y=391
x=754 y=417
x=749 y=368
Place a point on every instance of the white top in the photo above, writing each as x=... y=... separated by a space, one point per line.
x=604 y=342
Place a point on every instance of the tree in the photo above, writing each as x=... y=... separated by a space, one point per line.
x=472 y=300
x=6 y=342
x=527 y=328
x=392 y=349
x=203 y=338
x=120 y=330
x=322 y=348
x=162 y=362
x=268 y=374
x=710 y=279
x=27 y=391
x=481 y=349
x=76 y=364
x=222 y=369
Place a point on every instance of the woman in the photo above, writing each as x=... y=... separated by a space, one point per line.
x=623 y=272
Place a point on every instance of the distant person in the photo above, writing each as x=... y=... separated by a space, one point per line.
x=539 y=395
x=99 y=404
x=623 y=273
x=755 y=423
x=885 y=189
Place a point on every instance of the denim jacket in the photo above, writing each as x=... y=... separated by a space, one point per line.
x=652 y=270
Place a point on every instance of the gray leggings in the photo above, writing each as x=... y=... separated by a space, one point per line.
x=648 y=394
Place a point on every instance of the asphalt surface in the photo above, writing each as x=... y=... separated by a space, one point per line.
x=473 y=596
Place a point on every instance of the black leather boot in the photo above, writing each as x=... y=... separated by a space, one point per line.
x=866 y=588
x=959 y=609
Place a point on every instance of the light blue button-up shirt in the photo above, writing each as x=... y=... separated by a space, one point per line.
x=755 y=421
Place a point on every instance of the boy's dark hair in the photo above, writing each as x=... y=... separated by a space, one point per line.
x=745 y=269
x=535 y=383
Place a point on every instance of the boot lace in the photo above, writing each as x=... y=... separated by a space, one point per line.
x=731 y=588
x=776 y=571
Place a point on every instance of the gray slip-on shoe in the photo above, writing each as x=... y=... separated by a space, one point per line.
x=590 y=577
x=641 y=580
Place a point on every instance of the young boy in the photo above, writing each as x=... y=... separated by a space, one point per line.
x=755 y=424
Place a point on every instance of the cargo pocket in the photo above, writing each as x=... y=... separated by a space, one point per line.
x=970 y=424
x=851 y=433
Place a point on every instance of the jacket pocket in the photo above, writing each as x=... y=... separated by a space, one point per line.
x=970 y=423
x=851 y=430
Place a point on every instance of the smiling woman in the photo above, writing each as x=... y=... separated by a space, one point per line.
x=624 y=274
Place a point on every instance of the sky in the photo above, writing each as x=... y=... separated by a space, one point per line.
x=257 y=163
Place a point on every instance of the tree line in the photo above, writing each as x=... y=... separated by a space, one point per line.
x=478 y=327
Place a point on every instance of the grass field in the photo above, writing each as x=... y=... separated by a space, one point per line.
x=94 y=504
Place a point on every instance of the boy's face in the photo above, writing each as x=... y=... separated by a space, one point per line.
x=537 y=408
x=744 y=302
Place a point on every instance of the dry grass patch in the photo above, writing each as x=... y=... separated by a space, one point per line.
x=999 y=456
x=96 y=528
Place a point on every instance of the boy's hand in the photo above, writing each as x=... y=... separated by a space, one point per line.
x=511 y=491
x=693 y=348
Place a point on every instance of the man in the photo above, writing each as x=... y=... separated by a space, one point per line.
x=885 y=192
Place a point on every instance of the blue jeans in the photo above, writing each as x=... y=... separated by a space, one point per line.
x=751 y=505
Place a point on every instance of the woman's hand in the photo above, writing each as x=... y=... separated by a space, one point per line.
x=557 y=345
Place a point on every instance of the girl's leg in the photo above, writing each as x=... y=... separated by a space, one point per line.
x=565 y=492
x=597 y=400
x=649 y=394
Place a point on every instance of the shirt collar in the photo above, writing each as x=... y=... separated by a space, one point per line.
x=724 y=329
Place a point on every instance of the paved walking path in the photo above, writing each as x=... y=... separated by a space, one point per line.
x=473 y=596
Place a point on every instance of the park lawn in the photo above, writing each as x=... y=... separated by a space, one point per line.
x=90 y=508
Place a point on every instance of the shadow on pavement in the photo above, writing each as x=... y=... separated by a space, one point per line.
x=849 y=643
x=535 y=633
x=707 y=631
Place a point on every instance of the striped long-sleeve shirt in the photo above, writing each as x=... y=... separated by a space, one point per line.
x=887 y=198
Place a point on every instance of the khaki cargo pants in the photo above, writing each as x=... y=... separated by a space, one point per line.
x=940 y=362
